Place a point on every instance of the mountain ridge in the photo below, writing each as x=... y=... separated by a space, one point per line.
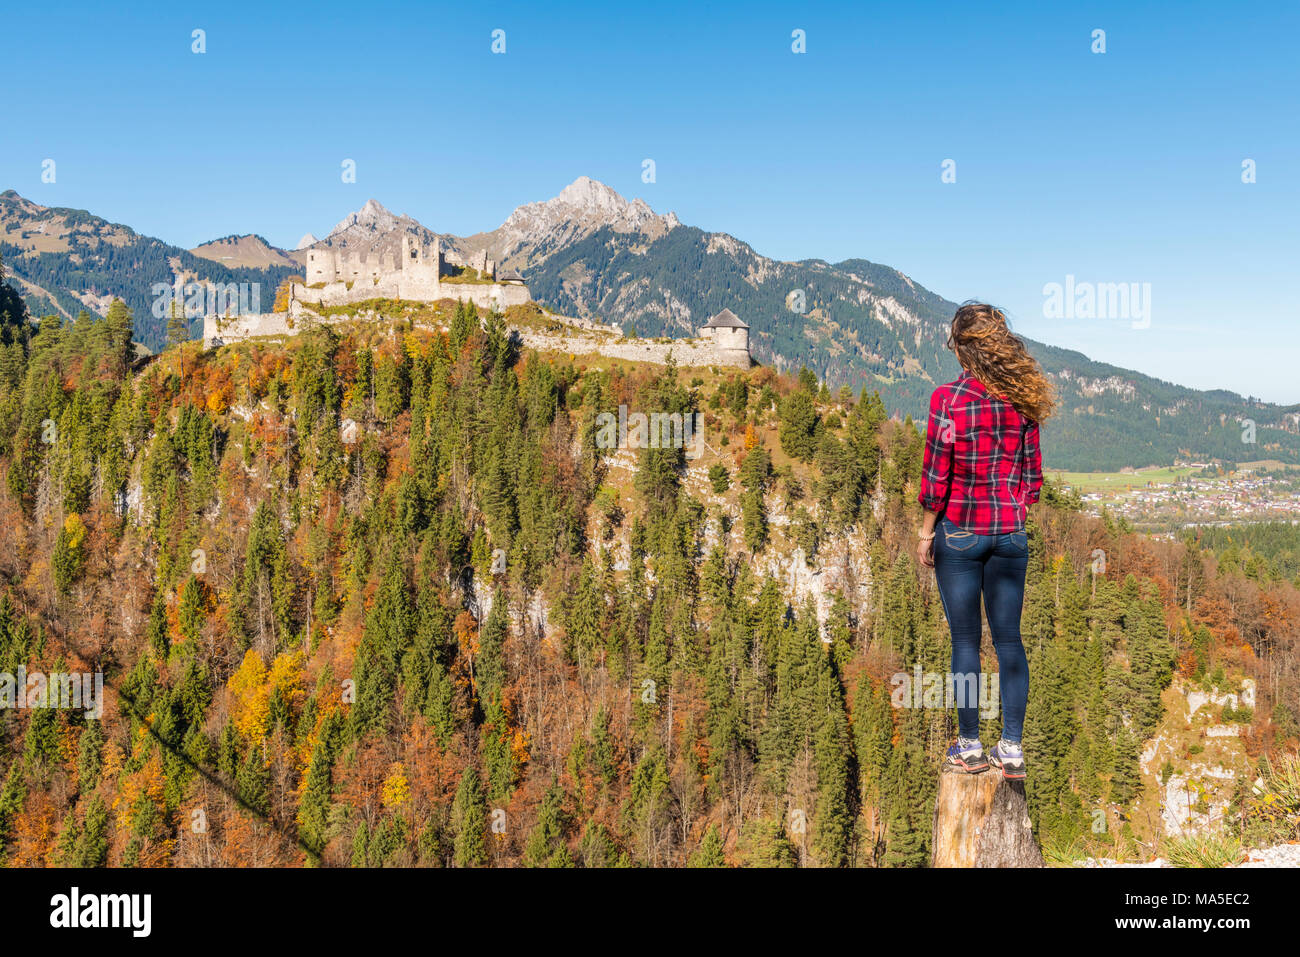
x=590 y=252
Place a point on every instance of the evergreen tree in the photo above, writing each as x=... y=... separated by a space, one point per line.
x=92 y=841
x=798 y=424
x=118 y=330
x=469 y=821
x=709 y=853
x=178 y=330
x=545 y=846
x=764 y=843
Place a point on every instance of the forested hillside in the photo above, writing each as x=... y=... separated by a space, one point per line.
x=377 y=596
x=1263 y=552
x=62 y=257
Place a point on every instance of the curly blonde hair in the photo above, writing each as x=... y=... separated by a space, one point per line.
x=989 y=352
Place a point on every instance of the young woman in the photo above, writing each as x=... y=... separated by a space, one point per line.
x=982 y=470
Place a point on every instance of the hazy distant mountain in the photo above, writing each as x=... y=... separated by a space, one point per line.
x=590 y=252
x=251 y=251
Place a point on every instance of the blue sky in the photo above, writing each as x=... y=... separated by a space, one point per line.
x=1117 y=167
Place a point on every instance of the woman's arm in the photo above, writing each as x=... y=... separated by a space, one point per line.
x=1032 y=479
x=925 y=540
x=936 y=472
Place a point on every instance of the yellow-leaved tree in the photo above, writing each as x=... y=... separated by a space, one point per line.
x=397 y=789
x=253 y=686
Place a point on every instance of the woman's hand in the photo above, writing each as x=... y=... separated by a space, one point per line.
x=925 y=551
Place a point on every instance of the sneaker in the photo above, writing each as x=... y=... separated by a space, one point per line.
x=1010 y=758
x=967 y=755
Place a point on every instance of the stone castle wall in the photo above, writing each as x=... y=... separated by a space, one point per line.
x=685 y=352
x=336 y=277
x=417 y=265
x=218 y=330
x=411 y=288
x=329 y=265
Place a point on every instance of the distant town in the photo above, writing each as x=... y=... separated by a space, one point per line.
x=1189 y=494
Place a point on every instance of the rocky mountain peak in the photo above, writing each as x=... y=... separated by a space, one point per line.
x=372 y=217
x=586 y=193
x=376 y=229
x=581 y=208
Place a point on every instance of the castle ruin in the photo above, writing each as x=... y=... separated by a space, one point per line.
x=337 y=277
x=426 y=273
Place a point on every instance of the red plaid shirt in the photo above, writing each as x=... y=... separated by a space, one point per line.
x=983 y=466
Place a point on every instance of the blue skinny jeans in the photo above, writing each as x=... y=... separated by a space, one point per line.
x=967 y=565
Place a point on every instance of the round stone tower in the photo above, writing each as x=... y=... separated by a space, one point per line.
x=322 y=266
x=730 y=336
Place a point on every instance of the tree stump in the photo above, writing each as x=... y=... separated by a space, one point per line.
x=982 y=820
